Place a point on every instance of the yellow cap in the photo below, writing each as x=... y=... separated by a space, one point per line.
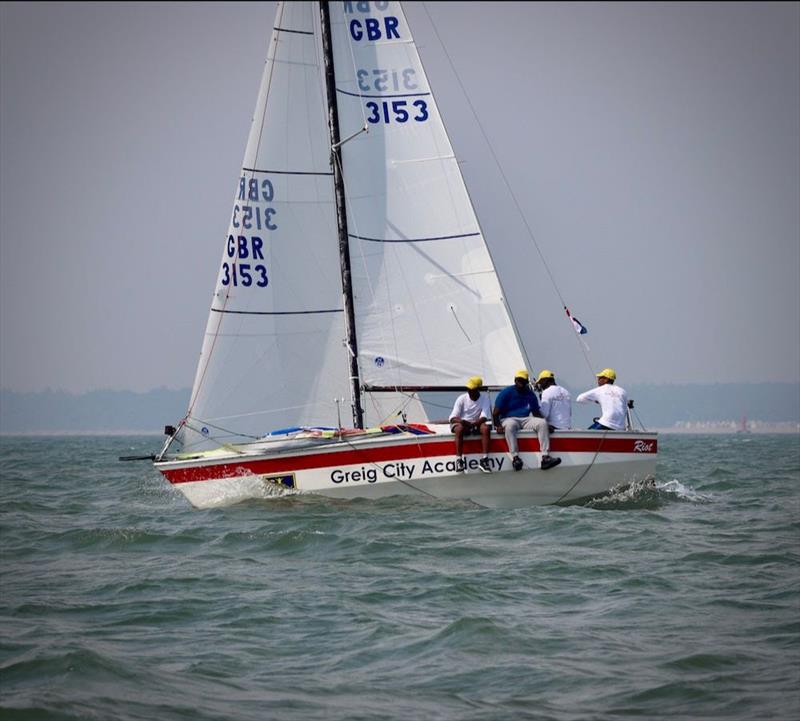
x=474 y=382
x=521 y=374
x=609 y=373
x=545 y=374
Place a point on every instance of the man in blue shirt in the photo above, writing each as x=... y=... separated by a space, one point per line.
x=518 y=407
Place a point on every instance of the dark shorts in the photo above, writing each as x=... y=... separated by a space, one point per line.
x=469 y=427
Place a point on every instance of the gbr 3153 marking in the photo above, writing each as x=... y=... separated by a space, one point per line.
x=237 y=272
x=397 y=111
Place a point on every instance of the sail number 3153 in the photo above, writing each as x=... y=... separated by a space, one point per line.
x=238 y=273
x=244 y=274
x=397 y=111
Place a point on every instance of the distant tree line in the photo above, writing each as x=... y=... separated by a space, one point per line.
x=658 y=406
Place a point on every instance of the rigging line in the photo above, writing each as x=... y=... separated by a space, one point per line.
x=338 y=145
x=400 y=480
x=201 y=380
x=354 y=222
x=259 y=413
x=204 y=438
x=169 y=441
x=223 y=429
x=502 y=173
x=588 y=468
x=409 y=399
x=434 y=404
x=466 y=335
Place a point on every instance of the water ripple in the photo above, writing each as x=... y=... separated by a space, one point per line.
x=667 y=600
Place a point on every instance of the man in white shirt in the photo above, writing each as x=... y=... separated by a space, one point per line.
x=472 y=413
x=555 y=402
x=613 y=402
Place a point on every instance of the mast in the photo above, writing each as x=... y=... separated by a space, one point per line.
x=341 y=217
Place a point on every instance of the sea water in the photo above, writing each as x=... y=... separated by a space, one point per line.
x=120 y=601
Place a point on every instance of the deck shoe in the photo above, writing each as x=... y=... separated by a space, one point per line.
x=483 y=464
x=549 y=462
x=461 y=465
x=516 y=462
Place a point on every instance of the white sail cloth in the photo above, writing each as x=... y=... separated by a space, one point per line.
x=428 y=305
x=273 y=350
x=429 y=309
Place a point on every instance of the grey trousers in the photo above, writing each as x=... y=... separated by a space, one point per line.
x=511 y=427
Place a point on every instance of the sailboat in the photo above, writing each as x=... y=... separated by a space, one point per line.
x=354 y=280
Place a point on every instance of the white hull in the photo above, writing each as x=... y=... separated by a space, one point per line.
x=593 y=462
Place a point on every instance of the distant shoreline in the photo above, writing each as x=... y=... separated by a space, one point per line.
x=705 y=408
x=727 y=431
x=763 y=431
x=55 y=434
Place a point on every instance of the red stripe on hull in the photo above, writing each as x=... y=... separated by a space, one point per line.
x=406 y=451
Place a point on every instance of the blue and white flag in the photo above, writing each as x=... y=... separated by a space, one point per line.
x=580 y=329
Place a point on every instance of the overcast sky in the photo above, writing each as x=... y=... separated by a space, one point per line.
x=654 y=149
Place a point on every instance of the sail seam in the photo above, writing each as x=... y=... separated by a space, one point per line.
x=398 y=95
x=287 y=172
x=291 y=63
x=276 y=312
x=413 y=240
x=297 y=32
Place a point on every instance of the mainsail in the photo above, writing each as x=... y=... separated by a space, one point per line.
x=428 y=305
x=429 y=309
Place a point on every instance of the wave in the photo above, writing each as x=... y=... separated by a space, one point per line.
x=647 y=494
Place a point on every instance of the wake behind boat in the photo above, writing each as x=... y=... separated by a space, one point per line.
x=354 y=268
